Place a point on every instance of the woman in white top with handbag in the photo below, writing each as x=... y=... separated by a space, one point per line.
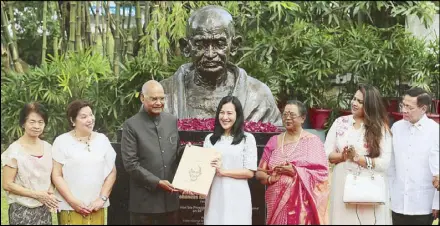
x=84 y=169
x=360 y=146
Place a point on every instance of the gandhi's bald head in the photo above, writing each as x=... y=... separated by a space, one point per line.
x=210 y=40
x=153 y=97
x=210 y=17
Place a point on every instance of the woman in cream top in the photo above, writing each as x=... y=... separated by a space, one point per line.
x=84 y=169
x=27 y=166
x=368 y=132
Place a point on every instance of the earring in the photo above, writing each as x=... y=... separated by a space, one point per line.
x=73 y=124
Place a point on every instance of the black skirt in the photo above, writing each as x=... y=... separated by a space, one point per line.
x=22 y=215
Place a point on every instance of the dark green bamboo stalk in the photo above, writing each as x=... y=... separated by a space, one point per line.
x=5 y=24
x=72 y=26
x=43 y=52
x=12 y=22
x=117 y=41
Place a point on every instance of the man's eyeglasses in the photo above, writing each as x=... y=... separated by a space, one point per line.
x=405 y=106
x=291 y=114
x=155 y=99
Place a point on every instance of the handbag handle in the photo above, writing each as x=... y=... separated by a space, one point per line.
x=369 y=167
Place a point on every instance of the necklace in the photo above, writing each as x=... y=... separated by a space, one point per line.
x=81 y=141
x=282 y=142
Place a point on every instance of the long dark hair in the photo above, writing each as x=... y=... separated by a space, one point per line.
x=375 y=119
x=237 y=129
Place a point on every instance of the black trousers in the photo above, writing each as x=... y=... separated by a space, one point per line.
x=169 y=218
x=400 y=219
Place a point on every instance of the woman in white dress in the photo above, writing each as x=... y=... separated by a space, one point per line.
x=83 y=169
x=229 y=199
x=368 y=132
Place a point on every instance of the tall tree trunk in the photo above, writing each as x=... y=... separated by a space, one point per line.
x=123 y=4
x=139 y=19
x=104 y=32
x=12 y=22
x=117 y=41
x=64 y=26
x=146 y=15
x=88 y=26
x=163 y=32
x=96 y=34
x=78 y=40
x=130 y=46
x=110 y=22
x=154 y=31
x=137 y=45
x=72 y=26
x=107 y=28
x=44 y=49
x=6 y=55
x=5 y=24
x=83 y=25
x=130 y=11
x=57 y=32
x=130 y=33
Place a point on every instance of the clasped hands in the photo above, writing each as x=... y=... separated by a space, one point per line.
x=348 y=153
x=84 y=210
x=282 y=169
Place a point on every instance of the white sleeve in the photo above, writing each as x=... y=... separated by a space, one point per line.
x=434 y=154
x=330 y=140
x=386 y=148
x=8 y=156
x=250 y=153
x=435 y=205
x=58 y=153
x=207 y=142
x=110 y=156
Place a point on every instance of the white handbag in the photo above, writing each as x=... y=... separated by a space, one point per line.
x=364 y=188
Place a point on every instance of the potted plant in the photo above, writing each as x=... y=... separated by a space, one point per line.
x=320 y=111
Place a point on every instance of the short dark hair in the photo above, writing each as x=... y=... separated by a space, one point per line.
x=33 y=107
x=423 y=97
x=301 y=107
x=237 y=129
x=73 y=109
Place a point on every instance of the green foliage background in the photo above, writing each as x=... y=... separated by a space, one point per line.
x=297 y=48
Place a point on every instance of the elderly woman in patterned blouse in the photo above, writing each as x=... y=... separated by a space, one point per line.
x=27 y=165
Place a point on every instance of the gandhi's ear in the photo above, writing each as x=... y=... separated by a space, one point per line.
x=185 y=46
x=236 y=41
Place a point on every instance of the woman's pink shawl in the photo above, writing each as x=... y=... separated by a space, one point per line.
x=301 y=199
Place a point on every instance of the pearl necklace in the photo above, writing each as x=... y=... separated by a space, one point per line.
x=81 y=141
x=282 y=142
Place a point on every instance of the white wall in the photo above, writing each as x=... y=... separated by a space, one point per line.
x=416 y=26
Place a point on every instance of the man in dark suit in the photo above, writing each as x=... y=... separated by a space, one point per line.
x=149 y=150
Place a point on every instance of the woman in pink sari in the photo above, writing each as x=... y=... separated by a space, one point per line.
x=294 y=167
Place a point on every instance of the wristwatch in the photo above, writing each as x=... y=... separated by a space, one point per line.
x=104 y=198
